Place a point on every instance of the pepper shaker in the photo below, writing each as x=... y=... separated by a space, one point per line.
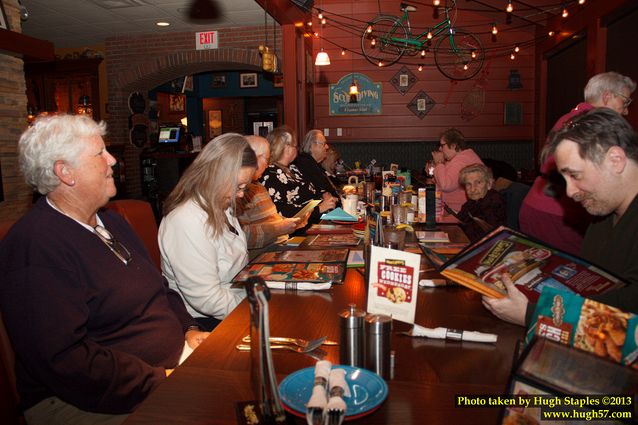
x=378 y=330
x=352 y=337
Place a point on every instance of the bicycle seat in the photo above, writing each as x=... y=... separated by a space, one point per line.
x=407 y=7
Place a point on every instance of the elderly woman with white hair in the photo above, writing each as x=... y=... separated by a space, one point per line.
x=93 y=324
x=485 y=207
x=314 y=150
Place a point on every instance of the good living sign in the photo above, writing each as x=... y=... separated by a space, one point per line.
x=368 y=99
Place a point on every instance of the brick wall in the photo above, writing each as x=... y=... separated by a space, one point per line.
x=139 y=63
x=13 y=109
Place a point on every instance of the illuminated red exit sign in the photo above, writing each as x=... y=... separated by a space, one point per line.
x=206 y=40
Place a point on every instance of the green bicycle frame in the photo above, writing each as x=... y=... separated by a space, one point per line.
x=415 y=42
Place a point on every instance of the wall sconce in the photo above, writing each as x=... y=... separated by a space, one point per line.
x=184 y=122
x=84 y=106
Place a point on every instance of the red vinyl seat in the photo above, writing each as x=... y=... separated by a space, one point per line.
x=139 y=215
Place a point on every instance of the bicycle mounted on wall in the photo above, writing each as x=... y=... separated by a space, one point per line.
x=458 y=54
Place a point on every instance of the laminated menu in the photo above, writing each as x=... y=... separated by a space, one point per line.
x=587 y=325
x=304 y=256
x=314 y=266
x=531 y=264
x=294 y=272
x=333 y=240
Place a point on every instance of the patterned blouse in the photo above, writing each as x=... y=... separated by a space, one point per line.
x=290 y=190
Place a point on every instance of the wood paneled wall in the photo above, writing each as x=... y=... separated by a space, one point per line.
x=397 y=122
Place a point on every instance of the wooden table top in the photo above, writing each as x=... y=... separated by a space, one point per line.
x=427 y=374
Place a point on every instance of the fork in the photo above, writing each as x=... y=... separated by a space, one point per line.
x=296 y=341
x=310 y=347
x=335 y=415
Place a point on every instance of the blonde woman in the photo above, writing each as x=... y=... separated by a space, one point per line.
x=286 y=184
x=202 y=244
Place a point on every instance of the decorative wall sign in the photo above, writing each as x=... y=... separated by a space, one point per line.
x=421 y=104
x=403 y=80
x=513 y=114
x=514 y=80
x=368 y=99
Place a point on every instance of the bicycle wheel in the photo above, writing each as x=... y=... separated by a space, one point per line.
x=381 y=45
x=455 y=61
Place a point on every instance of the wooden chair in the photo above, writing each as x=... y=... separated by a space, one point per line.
x=9 y=412
x=139 y=215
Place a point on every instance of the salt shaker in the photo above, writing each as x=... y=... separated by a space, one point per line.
x=378 y=330
x=352 y=336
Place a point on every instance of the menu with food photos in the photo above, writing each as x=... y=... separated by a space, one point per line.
x=320 y=266
x=304 y=256
x=531 y=264
x=587 y=325
x=393 y=283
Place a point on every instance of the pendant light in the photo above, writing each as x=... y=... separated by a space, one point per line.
x=322 y=58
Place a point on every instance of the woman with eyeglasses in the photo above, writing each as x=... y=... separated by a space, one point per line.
x=453 y=155
x=314 y=151
x=93 y=324
x=287 y=185
x=201 y=242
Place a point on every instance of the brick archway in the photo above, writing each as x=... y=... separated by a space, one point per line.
x=144 y=62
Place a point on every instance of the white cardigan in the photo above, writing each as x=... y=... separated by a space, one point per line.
x=199 y=267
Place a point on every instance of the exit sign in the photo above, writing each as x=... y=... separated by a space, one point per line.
x=206 y=40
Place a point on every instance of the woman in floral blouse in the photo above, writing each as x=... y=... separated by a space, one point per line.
x=285 y=183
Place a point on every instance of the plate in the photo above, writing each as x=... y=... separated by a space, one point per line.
x=344 y=222
x=368 y=391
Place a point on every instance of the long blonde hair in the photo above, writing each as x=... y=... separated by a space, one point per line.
x=206 y=180
x=278 y=139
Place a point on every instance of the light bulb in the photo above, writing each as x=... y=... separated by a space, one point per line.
x=436 y=2
x=473 y=54
x=551 y=33
x=429 y=35
x=373 y=42
x=465 y=67
x=343 y=52
x=509 y=8
x=380 y=64
x=565 y=13
x=309 y=23
x=422 y=53
x=316 y=34
x=581 y=1
x=512 y=56
x=494 y=29
x=369 y=29
x=320 y=16
x=420 y=68
x=323 y=21
x=517 y=49
x=354 y=89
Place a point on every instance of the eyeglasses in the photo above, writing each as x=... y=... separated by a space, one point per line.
x=113 y=244
x=322 y=144
x=627 y=100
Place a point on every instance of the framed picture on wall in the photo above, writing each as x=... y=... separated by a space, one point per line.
x=248 y=80
x=176 y=102
x=219 y=81
x=214 y=123
x=3 y=18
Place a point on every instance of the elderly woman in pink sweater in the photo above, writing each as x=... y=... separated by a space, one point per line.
x=452 y=156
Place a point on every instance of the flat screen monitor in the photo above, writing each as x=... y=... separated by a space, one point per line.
x=169 y=135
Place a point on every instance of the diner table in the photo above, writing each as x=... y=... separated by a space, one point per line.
x=428 y=374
